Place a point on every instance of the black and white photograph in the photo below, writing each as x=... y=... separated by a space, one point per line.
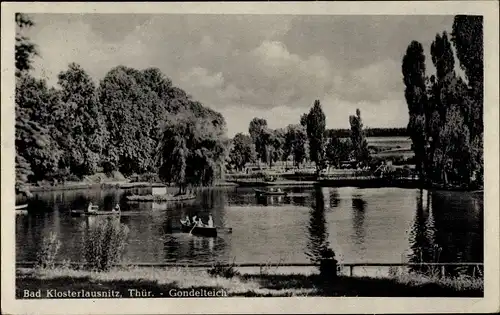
x=187 y=156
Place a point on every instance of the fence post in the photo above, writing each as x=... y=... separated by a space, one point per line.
x=442 y=272
x=328 y=269
x=351 y=267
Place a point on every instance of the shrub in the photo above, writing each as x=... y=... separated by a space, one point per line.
x=104 y=244
x=47 y=254
x=223 y=271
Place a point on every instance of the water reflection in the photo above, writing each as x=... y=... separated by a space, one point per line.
x=446 y=228
x=334 y=197
x=365 y=225
x=358 y=219
x=318 y=234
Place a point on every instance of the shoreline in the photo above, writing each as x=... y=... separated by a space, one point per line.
x=106 y=185
x=161 y=281
x=359 y=183
x=306 y=181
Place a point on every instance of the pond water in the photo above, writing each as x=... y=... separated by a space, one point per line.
x=385 y=225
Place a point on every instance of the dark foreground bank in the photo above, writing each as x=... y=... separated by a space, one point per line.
x=183 y=282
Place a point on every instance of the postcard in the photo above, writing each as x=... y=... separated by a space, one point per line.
x=267 y=157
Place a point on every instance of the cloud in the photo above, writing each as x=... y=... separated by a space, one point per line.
x=199 y=77
x=58 y=48
x=251 y=65
x=387 y=113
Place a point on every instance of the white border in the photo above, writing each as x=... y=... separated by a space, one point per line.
x=490 y=303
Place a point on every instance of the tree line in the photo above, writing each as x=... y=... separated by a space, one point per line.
x=369 y=132
x=132 y=121
x=446 y=109
x=306 y=141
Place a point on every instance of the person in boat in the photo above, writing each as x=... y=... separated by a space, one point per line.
x=194 y=220
x=90 y=207
x=117 y=208
x=187 y=220
x=200 y=223
x=210 y=221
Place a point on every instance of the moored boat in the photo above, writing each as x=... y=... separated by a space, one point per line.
x=198 y=230
x=161 y=198
x=259 y=192
x=23 y=206
x=251 y=183
x=94 y=212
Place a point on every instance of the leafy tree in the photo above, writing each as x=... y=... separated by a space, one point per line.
x=467 y=37
x=303 y=120
x=126 y=105
x=449 y=95
x=25 y=50
x=446 y=111
x=316 y=125
x=416 y=97
x=82 y=125
x=242 y=151
x=261 y=137
x=295 y=143
x=338 y=150
x=34 y=137
x=276 y=147
x=358 y=139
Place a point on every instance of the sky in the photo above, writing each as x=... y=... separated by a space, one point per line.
x=246 y=66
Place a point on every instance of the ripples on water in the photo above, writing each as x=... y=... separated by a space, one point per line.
x=387 y=225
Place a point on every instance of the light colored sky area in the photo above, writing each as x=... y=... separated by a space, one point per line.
x=247 y=66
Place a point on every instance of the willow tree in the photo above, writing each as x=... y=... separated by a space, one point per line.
x=191 y=149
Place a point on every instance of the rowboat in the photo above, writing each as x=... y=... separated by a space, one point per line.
x=251 y=183
x=19 y=207
x=259 y=192
x=198 y=230
x=93 y=212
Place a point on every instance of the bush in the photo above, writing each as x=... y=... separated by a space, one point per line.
x=104 y=244
x=223 y=271
x=47 y=254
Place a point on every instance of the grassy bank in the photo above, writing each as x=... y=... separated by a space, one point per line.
x=160 y=281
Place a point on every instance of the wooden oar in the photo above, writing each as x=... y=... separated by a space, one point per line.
x=192 y=228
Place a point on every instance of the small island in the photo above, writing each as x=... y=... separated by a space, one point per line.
x=160 y=194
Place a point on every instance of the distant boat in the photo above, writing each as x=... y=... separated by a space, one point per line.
x=94 y=212
x=19 y=207
x=259 y=192
x=251 y=183
x=161 y=198
x=198 y=230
